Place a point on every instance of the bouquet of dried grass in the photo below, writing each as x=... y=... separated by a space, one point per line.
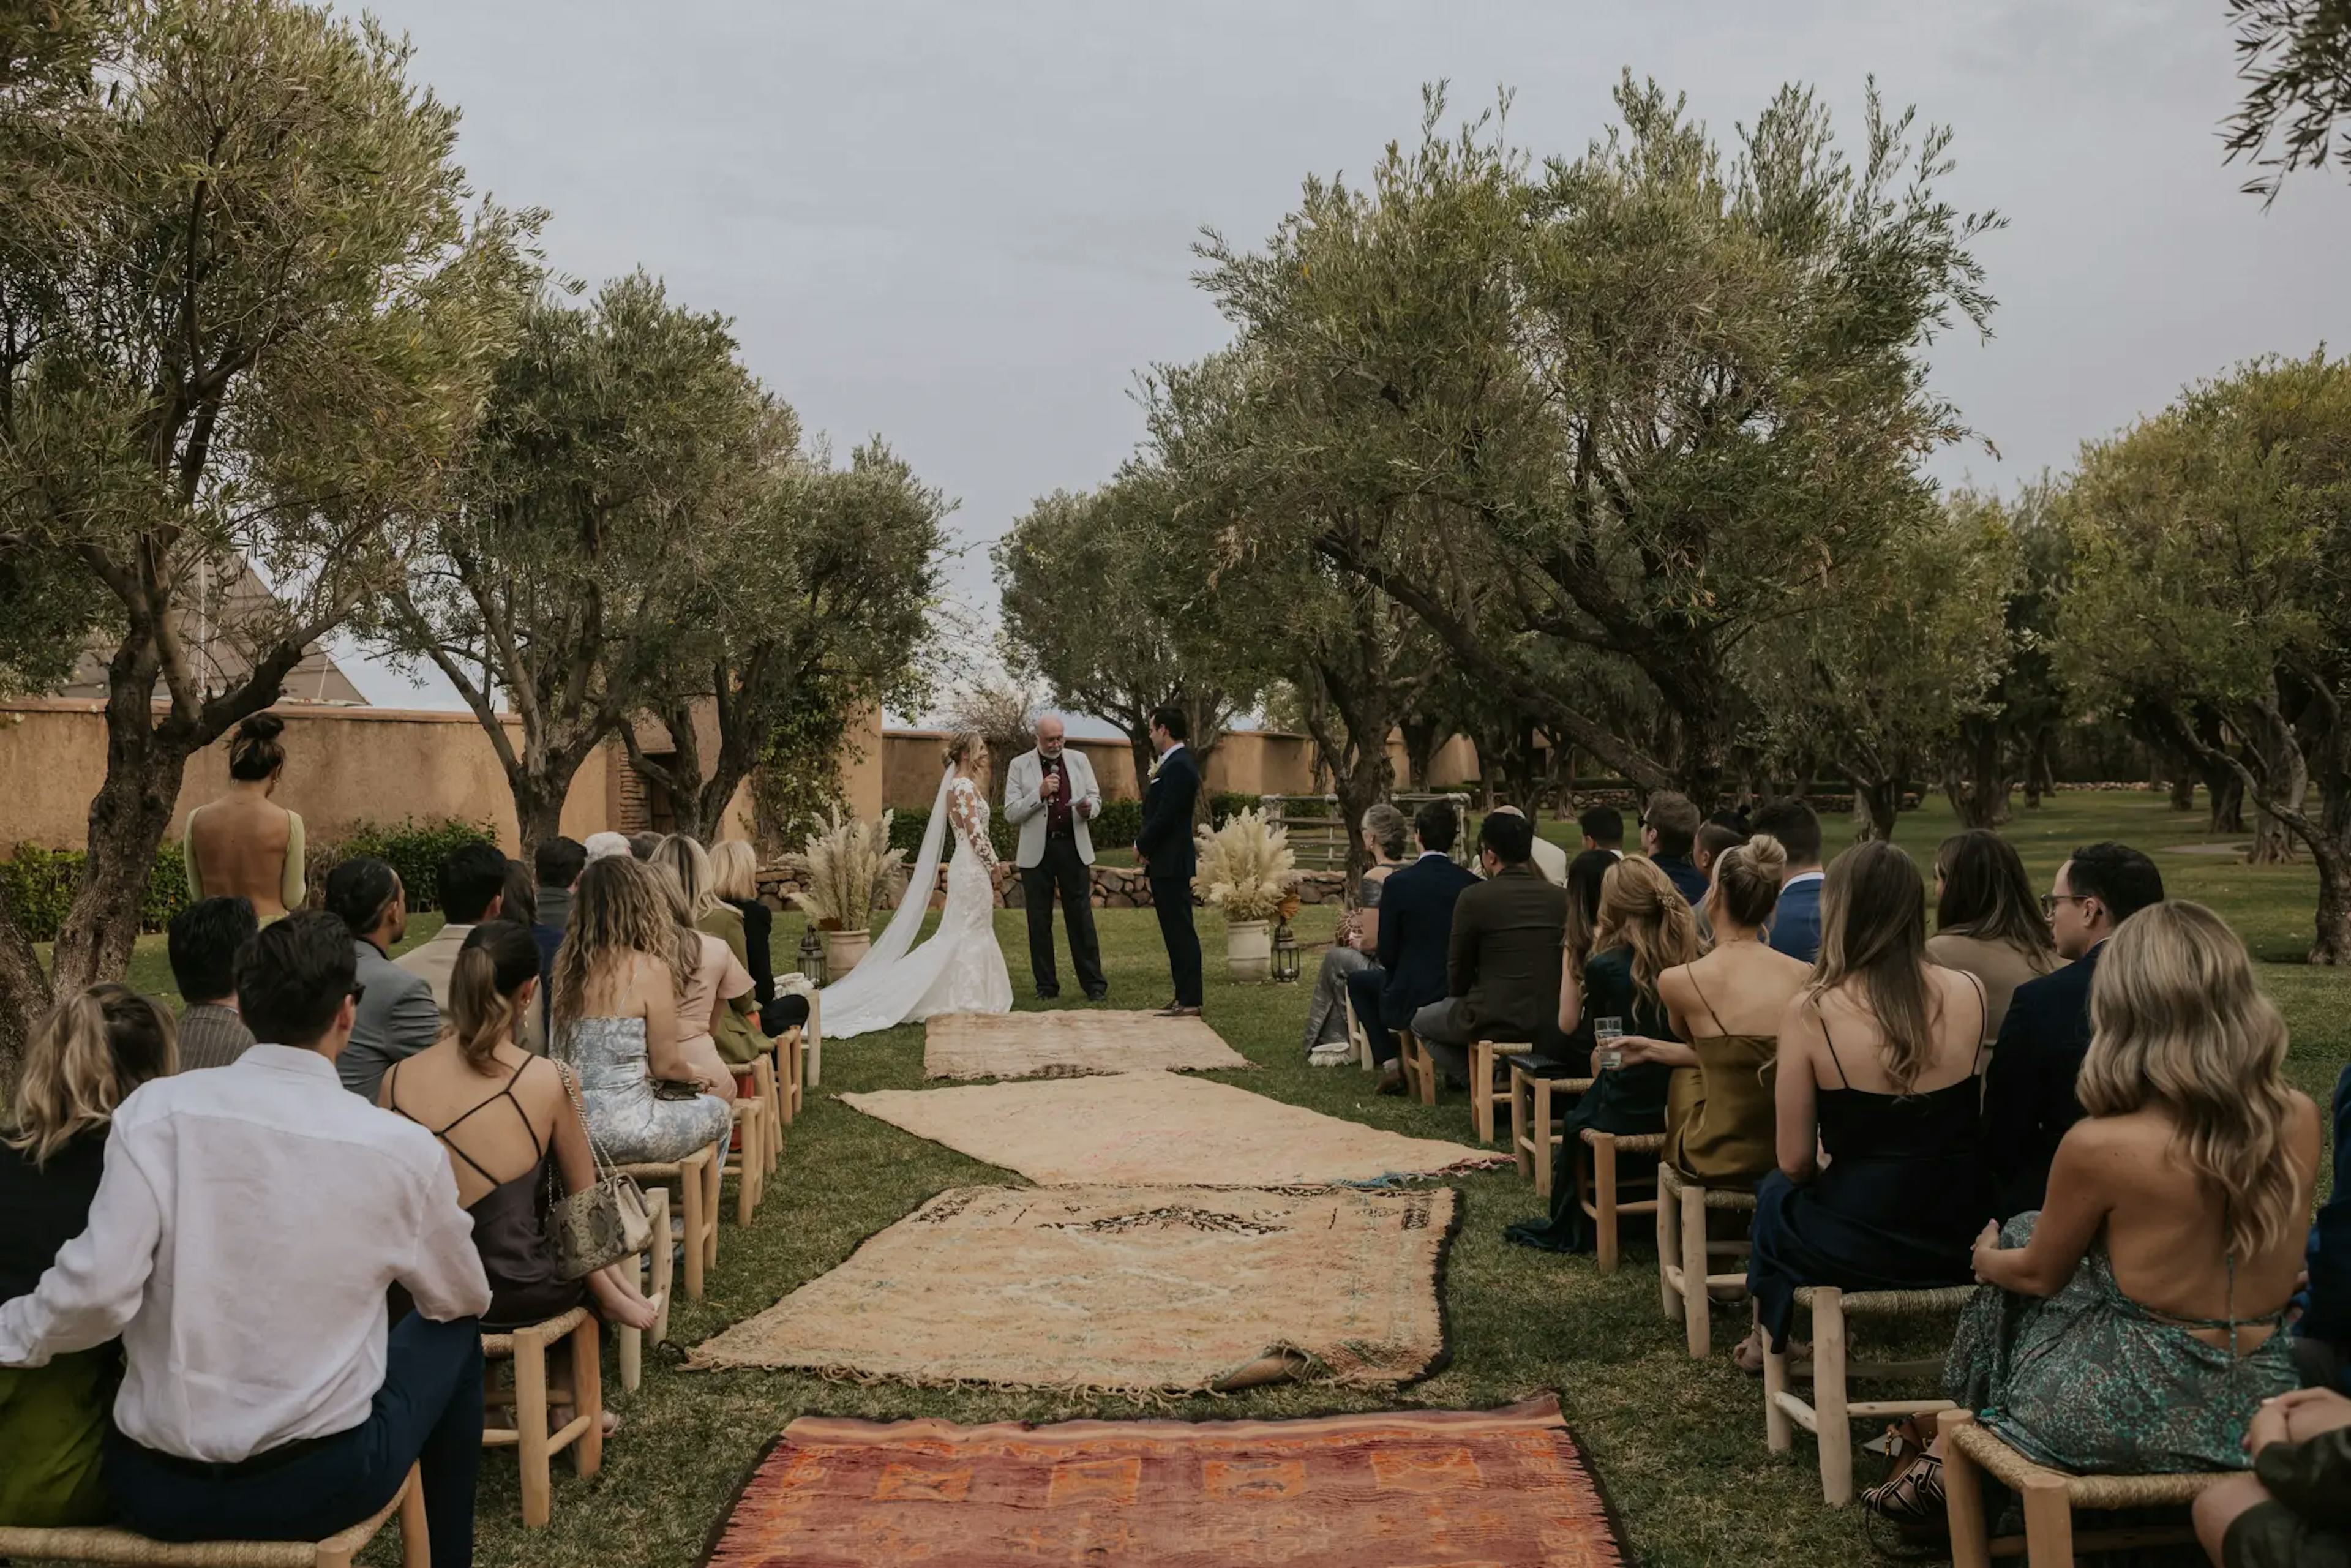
x=843 y=871
x=1247 y=868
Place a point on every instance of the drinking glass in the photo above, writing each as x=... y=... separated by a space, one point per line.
x=1607 y=1055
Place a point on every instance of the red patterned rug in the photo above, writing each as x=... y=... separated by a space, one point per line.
x=1447 y=1488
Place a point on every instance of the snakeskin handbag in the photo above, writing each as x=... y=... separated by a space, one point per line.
x=598 y=1225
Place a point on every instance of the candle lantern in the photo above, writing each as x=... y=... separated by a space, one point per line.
x=1285 y=955
x=812 y=958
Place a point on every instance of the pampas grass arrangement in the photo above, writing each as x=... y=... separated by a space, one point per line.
x=843 y=870
x=1247 y=868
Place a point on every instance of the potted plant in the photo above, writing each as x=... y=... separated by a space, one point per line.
x=843 y=869
x=1247 y=869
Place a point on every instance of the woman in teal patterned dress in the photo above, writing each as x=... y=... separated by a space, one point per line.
x=2132 y=1326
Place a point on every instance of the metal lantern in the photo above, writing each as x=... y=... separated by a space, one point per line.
x=1285 y=955
x=812 y=957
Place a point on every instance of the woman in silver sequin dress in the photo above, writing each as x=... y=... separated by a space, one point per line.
x=617 y=980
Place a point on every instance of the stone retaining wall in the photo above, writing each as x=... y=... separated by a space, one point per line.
x=1115 y=887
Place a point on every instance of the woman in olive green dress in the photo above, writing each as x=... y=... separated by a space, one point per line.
x=82 y=1061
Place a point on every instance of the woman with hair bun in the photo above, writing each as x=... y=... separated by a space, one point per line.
x=244 y=844
x=1727 y=1005
x=81 y=1064
x=506 y=1120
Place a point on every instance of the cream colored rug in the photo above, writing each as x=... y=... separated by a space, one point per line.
x=1124 y=1288
x=1158 y=1127
x=1067 y=1044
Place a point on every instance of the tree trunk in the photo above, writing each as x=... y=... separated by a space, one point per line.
x=2286 y=778
x=2331 y=943
x=1421 y=739
x=127 y=817
x=2226 y=792
x=23 y=995
x=2183 y=789
x=539 y=806
x=1877 y=809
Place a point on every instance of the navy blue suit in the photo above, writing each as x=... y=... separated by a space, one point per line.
x=2327 y=1315
x=1416 y=936
x=1683 y=872
x=2029 y=1089
x=1165 y=848
x=1795 y=924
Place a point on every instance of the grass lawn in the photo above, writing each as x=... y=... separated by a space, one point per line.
x=1678 y=1444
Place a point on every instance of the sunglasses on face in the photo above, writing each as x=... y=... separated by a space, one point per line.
x=358 y=992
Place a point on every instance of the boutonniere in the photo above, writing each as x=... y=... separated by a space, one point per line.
x=1153 y=777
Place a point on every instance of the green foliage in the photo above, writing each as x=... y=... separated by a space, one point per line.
x=42 y=885
x=2294 y=57
x=413 y=849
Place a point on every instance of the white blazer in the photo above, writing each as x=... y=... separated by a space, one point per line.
x=1024 y=806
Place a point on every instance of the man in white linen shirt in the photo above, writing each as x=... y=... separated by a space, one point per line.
x=249 y=1222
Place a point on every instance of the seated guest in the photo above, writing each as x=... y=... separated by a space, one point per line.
x=203 y=941
x=1502 y=965
x=601 y=846
x=250 y=1221
x=1796 y=923
x=506 y=1118
x=1727 y=1004
x=735 y=876
x=1416 y=938
x=1646 y=928
x=473 y=885
x=519 y=898
x=81 y=1061
x=714 y=1011
x=618 y=977
x=2029 y=1093
x=1878 y=1057
x=2294 y=1510
x=642 y=846
x=2134 y=1325
x=1602 y=828
x=1549 y=859
x=555 y=871
x=1985 y=921
x=1713 y=838
x=1668 y=834
x=396 y=1016
x=2322 y=1332
x=1384 y=833
x=244 y=844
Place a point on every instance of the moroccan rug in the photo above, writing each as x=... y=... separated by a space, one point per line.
x=1065 y=1044
x=1498 y=1489
x=1124 y=1288
x=1158 y=1127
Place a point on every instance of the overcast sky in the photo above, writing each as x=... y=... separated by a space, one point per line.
x=965 y=225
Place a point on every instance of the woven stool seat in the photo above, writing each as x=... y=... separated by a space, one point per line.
x=1830 y=1412
x=1596 y=1187
x=2050 y=1497
x=121 y=1546
x=1627 y=1142
x=1893 y=1303
x=497 y=1345
x=1687 y=1286
x=1737 y=1198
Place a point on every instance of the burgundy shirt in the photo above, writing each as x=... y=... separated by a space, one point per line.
x=1059 y=812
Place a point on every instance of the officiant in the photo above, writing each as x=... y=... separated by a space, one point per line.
x=1051 y=795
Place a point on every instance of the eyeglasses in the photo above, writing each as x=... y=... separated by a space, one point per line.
x=357 y=991
x=2050 y=901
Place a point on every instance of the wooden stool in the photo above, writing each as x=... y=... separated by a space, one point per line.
x=1596 y=1186
x=1685 y=1285
x=812 y=1054
x=770 y=1089
x=1419 y=1068
x=583 y=1390
x=104 y=1544
x=791 y=1076
x=1830 y=1415
x=696 y=1176
x=747 y=1161
x=1359 y=1037
x=1537 y=1099
x=1485 y=1093
x=653 y=1279
x=2050 y=1497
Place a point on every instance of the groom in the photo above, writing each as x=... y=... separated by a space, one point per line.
x=1050 y=796
x=1164 y=849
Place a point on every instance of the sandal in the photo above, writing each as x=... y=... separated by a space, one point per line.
x=1913 y=1497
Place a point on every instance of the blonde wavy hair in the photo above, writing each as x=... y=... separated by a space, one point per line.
x=686 y=860
x=2178 y=1023
x=965 y=746
x=83 y=1059
x=734 y=870
x=620 y=907
x=1642 y=910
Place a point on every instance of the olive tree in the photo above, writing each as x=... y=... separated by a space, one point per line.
x=249 y=307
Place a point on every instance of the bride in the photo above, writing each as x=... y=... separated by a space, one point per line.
x=960 y=969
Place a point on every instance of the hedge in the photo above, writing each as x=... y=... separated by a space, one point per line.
x=41 y=882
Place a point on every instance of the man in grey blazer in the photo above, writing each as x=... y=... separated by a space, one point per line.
x=1049 y=794
x=396 y=1016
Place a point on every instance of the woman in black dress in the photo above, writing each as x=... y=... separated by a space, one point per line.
x=1646 y=928
x=735 y=877
x=1879 y=1064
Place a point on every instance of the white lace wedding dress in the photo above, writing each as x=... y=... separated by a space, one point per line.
x=960 y=969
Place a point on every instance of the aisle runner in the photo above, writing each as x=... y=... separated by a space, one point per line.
x=1124 y=1288
x=1158 y=1127
x=1505 y=1488
x=1063 y=1044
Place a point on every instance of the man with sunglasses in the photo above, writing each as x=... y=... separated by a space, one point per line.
x=2029 y=1089
x=249 y=1225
